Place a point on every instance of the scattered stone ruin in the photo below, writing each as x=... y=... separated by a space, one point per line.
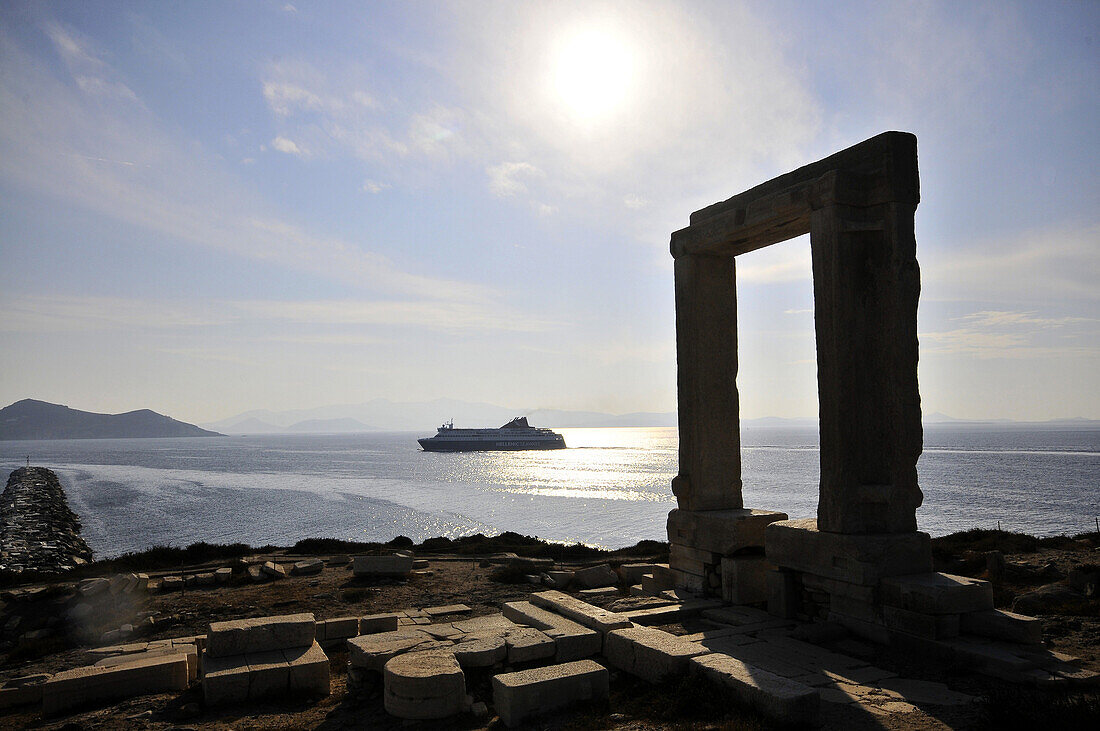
x=38 y=531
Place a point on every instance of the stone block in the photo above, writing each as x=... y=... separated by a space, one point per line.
x=339 y=628
x=572 y=640
x=650 y=654
x=581 y=612
x=256 y=575
x=445 y=611
x=224 y=679
x=937 y=593
x=604 y=591
x=689 y=582
x=309 y=671
x=560 y=579
x=1003 y=625
x=480 y=651
x=527 y=644
x=855 y=559
x=745 y=579
x=190 y=652
x=489 y=624
x=258 y=634
x=653 y=586
x=632 y=572
x=670 y=613
x=689 y=566
x=529 y=693
x=392 y=566
x=308 y=567
x=171 y=583
x=424 y=685
x=268 y=674
x=784 y=594
x=918 y=624
x=678 y=552
x=223 y=575
x=371 y=652
x=374 y=623
x=720 y=531
x=594 y=577
x=777 y=698
x=80 y=686
x=274 y=570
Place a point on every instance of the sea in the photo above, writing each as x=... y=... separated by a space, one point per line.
x=610 y=488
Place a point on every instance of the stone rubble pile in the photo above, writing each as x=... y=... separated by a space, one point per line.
x=38 y=531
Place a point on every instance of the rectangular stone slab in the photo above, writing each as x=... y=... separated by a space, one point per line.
x=1003 y=625
x=779 y=699
x=309 y=670
x=937 y=593
x=650 y=654
x=76 y=687
x=720 y=531
x=856 y=559
x=529 y=693
x=598 y=619
x=259 y=634
x=573 y=641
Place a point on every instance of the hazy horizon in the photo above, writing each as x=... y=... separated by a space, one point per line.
x=209 y=207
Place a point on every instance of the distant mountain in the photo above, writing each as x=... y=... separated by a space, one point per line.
x=254 y=426
x=31 y=419
x=386 y=415
x=328 y=426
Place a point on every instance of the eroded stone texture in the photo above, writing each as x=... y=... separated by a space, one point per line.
x=866 y=287
x=706 y=362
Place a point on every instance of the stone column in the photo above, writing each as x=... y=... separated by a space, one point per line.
x=706 y=363
x=866 y=286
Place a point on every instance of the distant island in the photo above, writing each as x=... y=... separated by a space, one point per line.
x=32 y=419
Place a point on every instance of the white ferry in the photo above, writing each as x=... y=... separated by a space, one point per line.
x=516 y=434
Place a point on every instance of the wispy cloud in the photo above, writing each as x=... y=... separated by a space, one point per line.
x=55 y=138
x=1013 y=334
x=282 y=144
x=58 y=313
x=374 y=186
x=506 y=179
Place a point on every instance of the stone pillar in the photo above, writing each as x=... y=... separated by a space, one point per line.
x=866 y=286
x=706 y=362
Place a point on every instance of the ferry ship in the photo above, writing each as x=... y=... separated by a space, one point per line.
x=515 y=435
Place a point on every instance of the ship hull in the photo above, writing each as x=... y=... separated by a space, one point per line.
x=488 y=445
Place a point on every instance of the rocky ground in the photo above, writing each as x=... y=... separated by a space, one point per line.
x=1072 y=627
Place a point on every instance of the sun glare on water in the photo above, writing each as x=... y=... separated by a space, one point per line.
x=593 y=73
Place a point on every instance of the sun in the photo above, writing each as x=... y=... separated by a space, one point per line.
x=593 y=74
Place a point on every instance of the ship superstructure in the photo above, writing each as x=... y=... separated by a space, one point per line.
x=515 y=435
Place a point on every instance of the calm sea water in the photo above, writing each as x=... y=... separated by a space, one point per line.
x=610 y=488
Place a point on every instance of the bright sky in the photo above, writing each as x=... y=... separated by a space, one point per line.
x=210 y=207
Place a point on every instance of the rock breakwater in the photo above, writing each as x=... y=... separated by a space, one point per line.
x=38 y=531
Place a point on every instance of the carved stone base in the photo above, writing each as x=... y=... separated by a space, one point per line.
x=856 y=559
x=723 y=532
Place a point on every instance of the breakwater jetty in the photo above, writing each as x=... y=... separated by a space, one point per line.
x=38 y=531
